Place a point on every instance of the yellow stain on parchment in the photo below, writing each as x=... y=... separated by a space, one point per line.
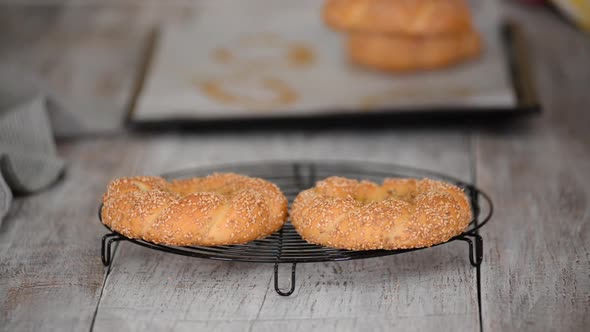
x=281 y=94
x=259 y=74
x=291 y=54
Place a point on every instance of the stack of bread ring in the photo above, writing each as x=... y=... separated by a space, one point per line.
x=405 y=35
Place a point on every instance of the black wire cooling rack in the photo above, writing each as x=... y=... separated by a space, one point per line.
x=286 y=246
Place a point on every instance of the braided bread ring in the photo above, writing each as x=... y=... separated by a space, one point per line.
x=219 y=209
x=406 y=17
x=400 y=53
x=400 y=214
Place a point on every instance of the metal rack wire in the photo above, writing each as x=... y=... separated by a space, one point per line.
x=286 y=246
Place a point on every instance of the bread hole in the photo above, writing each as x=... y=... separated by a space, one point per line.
x=381 y=194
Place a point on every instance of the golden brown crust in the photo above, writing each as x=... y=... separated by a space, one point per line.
x=400 y=53
x=400 y=214
x=219 y=209
x=407 y=17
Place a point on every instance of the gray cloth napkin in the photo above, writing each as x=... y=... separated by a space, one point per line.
x=28 y=159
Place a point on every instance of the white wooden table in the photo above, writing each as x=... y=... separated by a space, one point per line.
x=536 y=270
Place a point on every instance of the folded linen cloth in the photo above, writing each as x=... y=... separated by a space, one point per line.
x=28 y=159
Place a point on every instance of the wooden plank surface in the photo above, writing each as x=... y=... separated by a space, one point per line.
x=536 y=272
x=87 y=55
x=51 y=275
x=147 y=290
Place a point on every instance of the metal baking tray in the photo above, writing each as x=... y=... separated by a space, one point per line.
x=518 y=59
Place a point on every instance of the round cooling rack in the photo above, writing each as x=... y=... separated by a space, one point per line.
x=286 y=246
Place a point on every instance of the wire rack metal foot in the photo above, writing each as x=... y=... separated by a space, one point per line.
x=286 y=246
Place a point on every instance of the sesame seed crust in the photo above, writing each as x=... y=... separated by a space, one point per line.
x=399 y=214
x=220 y=209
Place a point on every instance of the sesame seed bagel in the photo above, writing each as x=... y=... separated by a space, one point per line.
x=400 y=214
x=406 y=17
x=219 y=209
x=401 y=53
